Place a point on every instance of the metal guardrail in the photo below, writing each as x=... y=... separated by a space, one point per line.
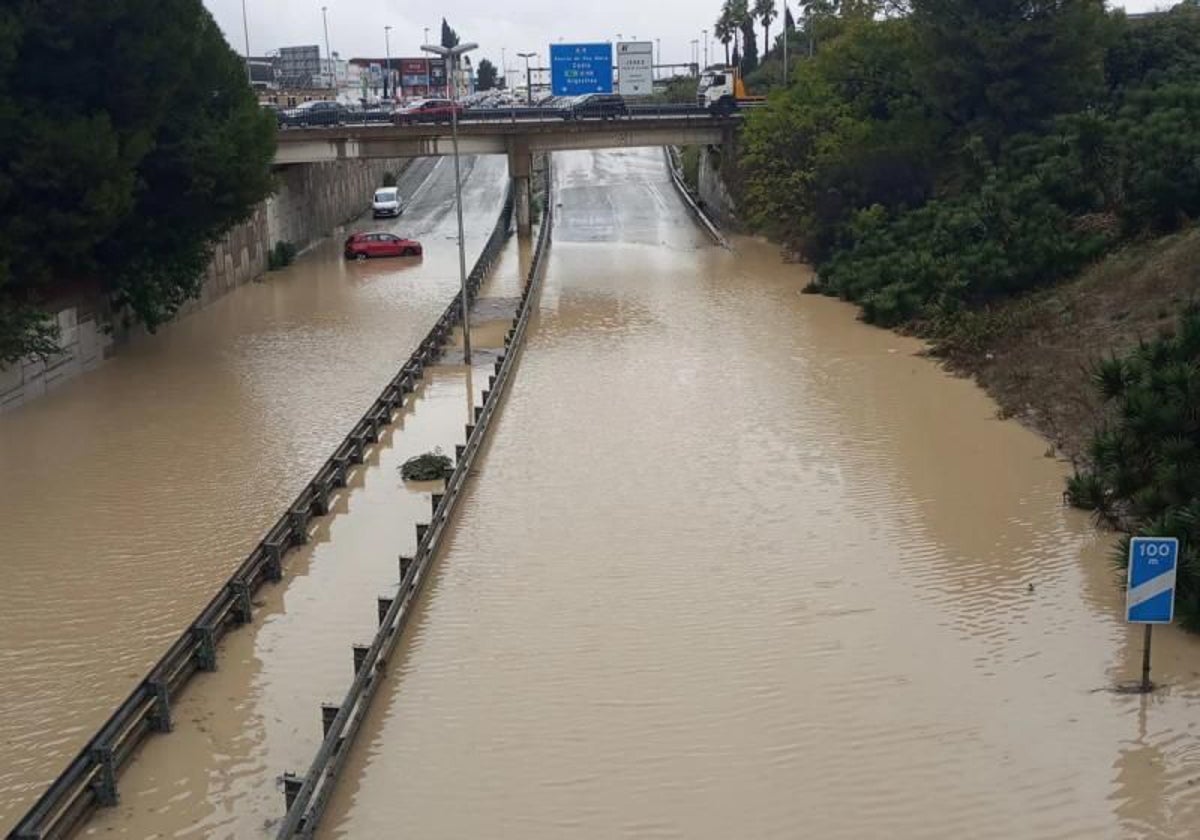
x=306 y=798
x=522 y=114
x=675 y=167
x=90 y=780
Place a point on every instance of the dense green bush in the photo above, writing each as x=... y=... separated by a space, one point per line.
x=283 y=254
x=916 y=199
x=1143 y=474
x=130 y=140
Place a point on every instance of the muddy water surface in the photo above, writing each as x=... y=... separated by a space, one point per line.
x=736 y=565
x=128 y=496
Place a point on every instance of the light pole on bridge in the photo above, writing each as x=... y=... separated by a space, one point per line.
x=387 y=46
x=528 y=77
x=328 y=57
x=246 y=32
x=451 y=55
x=704 y=32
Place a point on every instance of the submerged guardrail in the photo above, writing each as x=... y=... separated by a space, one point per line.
x=693 y=203
x=306 y=797
x=90 y=780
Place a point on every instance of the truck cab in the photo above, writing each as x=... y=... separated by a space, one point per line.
x=722 y=91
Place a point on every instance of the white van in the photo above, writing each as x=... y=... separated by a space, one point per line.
x=387 y=202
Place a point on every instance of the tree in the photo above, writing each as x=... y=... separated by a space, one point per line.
x=485 y=78
x=449 y=36
x=1002 y=67
x=749 y=47
x=739 y=13
x=1143 y=474
x=137 y=113
x=724 y=28
x=765 y=11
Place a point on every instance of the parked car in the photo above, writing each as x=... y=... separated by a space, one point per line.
x=360 y=246
x=428 y=110
x=606 y=106
x=319 y=112
x=387 y=202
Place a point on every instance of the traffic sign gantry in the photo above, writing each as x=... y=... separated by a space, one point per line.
x=1150 y=596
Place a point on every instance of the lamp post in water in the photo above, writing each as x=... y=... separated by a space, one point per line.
x=451 y=56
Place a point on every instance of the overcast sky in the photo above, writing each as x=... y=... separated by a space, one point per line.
x=356 y=26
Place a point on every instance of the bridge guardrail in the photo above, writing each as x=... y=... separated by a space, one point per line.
x=90 y=780
x=527 y=114
x=306 y=798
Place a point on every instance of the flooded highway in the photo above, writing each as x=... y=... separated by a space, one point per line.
x=733 y=564
x=736 y=565
x=130 y=494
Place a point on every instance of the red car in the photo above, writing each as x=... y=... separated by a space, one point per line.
x=428 y=110
x=359 y=246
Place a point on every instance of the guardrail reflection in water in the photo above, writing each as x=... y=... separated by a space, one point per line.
x=90 y=780
x=306 y=798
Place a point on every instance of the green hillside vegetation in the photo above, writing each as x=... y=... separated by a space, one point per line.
x=947 y=165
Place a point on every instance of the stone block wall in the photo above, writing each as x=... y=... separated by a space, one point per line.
x=310 y=201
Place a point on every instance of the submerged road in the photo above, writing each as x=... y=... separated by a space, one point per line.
x=732 y=564
x=736 y=565
x=130 y=494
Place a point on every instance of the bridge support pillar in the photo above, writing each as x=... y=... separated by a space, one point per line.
x=520 y=164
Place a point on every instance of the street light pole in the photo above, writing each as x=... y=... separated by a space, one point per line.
x=426 y=34
x=328 y=57
x=387 y=47
x=704 y=32
x=246 y=32
x=657 y=61
x=528 y=77
x=451 y=56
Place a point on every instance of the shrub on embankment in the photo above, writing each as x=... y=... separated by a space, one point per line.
x=1143 y=473
x=917 y=198
x=129 y=142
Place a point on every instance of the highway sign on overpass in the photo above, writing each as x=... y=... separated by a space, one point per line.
x=635 y=68
x=576 y=69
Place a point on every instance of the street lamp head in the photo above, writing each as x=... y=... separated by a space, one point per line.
x=436 y=49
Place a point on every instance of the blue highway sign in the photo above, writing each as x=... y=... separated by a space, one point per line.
x=576 y=69
x=1150 y=597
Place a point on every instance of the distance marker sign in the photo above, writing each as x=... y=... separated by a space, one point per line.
x=1150 y=594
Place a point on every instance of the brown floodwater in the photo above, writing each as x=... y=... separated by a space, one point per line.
x=733 y=564
x=736 y=565
x=130 y=494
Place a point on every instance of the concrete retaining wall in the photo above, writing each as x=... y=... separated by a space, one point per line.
x=715 y=196
x=310 y=201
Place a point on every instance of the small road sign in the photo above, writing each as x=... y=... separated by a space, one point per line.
x=1150 y=596
x=576 y=69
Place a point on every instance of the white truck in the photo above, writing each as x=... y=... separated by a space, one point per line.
x=722 y=91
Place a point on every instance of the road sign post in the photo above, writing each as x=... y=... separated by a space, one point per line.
x=1150 y=589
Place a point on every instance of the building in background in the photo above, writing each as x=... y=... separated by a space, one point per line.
x=411 y=78
x=299 y=67
x=264 y=72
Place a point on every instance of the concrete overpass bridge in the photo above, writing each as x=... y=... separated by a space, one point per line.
x=517 y=136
